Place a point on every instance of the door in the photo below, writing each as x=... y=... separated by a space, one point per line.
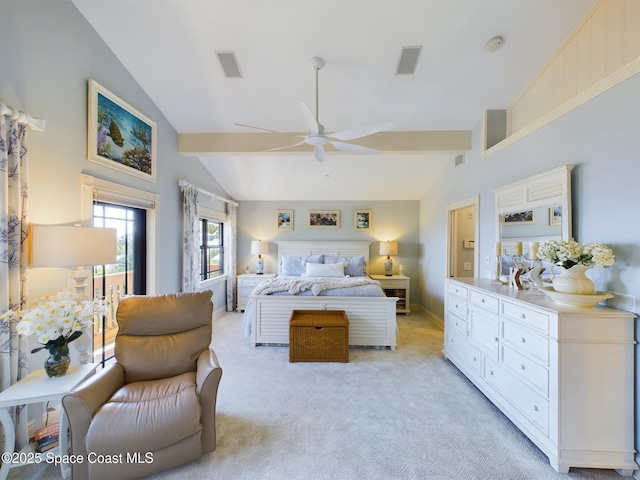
x=462 y=238
x=125 y=277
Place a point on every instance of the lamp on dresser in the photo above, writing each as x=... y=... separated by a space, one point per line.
x=73 y=246
x=388 y=248
x=258 y=247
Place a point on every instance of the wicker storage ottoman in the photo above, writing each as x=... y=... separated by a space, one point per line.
x=318 y=336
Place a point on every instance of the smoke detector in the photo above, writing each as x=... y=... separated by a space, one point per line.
x=494 y=44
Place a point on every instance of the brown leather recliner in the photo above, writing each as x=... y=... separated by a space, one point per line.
x=154 y=408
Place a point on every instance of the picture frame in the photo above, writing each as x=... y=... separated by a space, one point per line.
x=323 y=219
x=362 y=220
x=519 y=218
x=555 y=215
x=284 y=220
x=119 y=136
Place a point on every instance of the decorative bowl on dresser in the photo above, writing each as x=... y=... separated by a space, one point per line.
x=563 y=375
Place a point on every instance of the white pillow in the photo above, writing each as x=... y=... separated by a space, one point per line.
x=324 y=270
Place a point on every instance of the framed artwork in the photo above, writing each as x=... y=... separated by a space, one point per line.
x=555 y=215
x=519 y=218
x=284 y=220
x=119 y=136
x=362 y=220
x=324 y=219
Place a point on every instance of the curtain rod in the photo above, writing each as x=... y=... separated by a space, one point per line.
x=184 y=183
x=21 y=117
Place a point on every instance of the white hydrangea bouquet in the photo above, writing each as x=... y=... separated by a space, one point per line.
x=57 y=320
x=566 y=254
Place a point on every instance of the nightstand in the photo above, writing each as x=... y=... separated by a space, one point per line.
x=396 y=286
x=245 y=284
x=37 y=387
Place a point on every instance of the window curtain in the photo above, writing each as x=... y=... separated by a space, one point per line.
x=13 y=264
x=191 y=241
x=231 y=256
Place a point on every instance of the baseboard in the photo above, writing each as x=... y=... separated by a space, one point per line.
x=636 y=473
x=430 y=315
x=218 y=312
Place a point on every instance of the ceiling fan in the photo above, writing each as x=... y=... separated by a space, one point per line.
x=317 y=136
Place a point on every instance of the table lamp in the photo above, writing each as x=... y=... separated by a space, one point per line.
x=70 y=246
x=258 y=247
x=388 y=248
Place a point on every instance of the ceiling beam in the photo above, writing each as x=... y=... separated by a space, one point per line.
x=434 y=142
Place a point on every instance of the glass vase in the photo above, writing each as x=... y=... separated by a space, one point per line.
x=58 y=362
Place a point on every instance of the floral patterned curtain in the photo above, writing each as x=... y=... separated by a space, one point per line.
x=13 y=278
x=231 y=257
x=190 y=240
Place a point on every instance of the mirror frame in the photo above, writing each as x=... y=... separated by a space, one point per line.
x=549 y=188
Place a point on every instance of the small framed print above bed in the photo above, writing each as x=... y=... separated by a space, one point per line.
x=323 y=219
x=362 y=220
x=284 y=220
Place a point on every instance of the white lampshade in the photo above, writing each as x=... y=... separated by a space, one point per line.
x=258 y=247
x=388 y=248
x=69 y=246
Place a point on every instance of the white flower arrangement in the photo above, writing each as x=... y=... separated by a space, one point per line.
x=569 y=253
x=57 y=320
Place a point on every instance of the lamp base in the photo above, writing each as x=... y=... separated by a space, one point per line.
x=388 y=267
x=260 y=266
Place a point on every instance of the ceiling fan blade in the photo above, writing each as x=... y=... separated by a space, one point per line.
x=288 y=146
x=309 y=120
x=351 y=148
x=267 y=130
x=358 y=132
x=319 y=153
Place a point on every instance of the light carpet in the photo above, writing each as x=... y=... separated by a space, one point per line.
x=403 y=414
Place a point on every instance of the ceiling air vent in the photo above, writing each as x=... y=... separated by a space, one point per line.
x=459 y=160
x=408 y=60
x=229 y=64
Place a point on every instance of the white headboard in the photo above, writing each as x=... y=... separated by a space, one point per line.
x=305 y=248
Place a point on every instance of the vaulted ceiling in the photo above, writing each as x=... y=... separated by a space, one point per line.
x=171 y=48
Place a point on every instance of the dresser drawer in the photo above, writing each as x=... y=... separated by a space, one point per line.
x=532 y=318
x=457 y=324
x=463 y=350
x=251 y=282
x=457 y=306
x=393 y=284
x=457 y=290
x=530 y=372
x=483 y=329
x=485 y=301
x=526 y=342
x=522 y=398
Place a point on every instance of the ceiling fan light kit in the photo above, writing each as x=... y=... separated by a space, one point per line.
x=317 y=136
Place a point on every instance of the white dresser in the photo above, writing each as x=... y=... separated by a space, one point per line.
x=563 y=375
x=245 y=284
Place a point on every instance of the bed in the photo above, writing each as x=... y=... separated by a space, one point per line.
x=372 y=315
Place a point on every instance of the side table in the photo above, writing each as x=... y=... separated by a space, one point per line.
x=37 y=387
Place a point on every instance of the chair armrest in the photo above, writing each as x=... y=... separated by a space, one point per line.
x=208 y=376
x=83 y=402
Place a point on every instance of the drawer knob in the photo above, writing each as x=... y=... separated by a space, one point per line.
x=522 y=367
x=474 y=359
x=523 y=315
x=535 y=408
x=482 y=300
x=490 y=372
x=523 y=340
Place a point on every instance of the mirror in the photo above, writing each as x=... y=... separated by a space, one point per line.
x=534 y=209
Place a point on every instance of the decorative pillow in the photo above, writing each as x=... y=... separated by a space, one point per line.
x=295 y=266
x=354 y=266
x=324 y=270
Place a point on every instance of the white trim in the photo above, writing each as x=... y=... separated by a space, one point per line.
x=210 y=214
x=184 y=183
x=92 y=188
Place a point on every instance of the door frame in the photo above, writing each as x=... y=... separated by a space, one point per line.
x=450 y=233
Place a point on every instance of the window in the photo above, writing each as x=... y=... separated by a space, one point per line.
x=211 y=249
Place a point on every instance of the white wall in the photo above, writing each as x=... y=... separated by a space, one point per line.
x=601 y=139
x=49 y=52
x=392 y=220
